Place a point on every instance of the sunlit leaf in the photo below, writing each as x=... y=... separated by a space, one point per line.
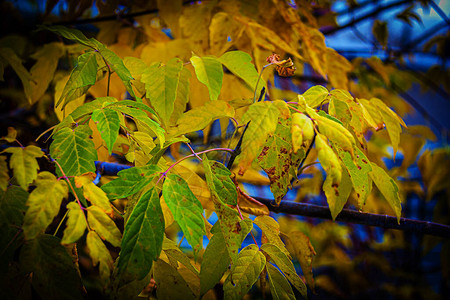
x=75 y=225
x=54 y=274
x=302 y=131
x=92 y=192
x=271 y=231
x=102 y=224
x=338 y=195
x=329 y=160
x=171 y=284
x=244 y=272
x=209 y=72
x=186 y=209
x=74 y=150
x=388 y=188
x=285 y=265
x=316 y=96
x=100 y=255
x=279 y=286
x=222 y=185
x=130 y=181
x=24 y=164
x=108 y=124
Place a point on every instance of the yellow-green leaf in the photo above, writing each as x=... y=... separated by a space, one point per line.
x=12 y=135
x=279 y=286
x=219 y=181
x=92 y=192
x=100 y=255
x=75 y=225
x=24 y=164
x=171 y=285
x=43 y=204
x=244 y=273
x=337 y=195
x=209 y=72
x=388 y=188
x=271 y=230
x=286 y=266
x=102 y=224
x=316 y=96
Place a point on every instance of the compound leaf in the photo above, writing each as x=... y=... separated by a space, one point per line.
x=222 y=184
x=75 y=225
x=102 y=224
x=108 y=124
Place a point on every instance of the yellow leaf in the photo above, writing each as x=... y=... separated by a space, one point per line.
x=24 y=164
x=99 y=255
x=329 y=160
x=223 y=30
x=102 y=224
x=75 y=225
x=71 y=106
x=337 y=69
x=170 y=12
x=302 y=131
x=92 y=192
x=12 y=135
x=271 y=230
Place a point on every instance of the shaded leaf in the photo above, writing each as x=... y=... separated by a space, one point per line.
x=244 y=272
x=380 y=32
x=54 y=275
x=100 y=255
x=11 y=136
x=4 y=176
x=209 y=72
x=108 y=124
x=75 y=225
x=171 y=284
x=102 y=224
x=388 y=188
x=16 y=63
x=177 y=255
x=24 y=164
x=279 y=285
x=71 y=34
x=74 y=150
x=43 y=204
x=186 y=209
x=142 y=238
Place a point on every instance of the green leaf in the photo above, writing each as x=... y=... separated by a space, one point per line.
x=279 y=286
x=263 y=117
x=108 y=124
x=130 y=103
x=71 y=34
x=100 y=255
x=271 y=230
x=316 y=95
x=162 y=84
x=359 y=173
x=244 y=273
x=186 y=209
x=54 y=274
x=388 y=188
x=75 y=225
x=130 y=181
x=199 y=117
x=74 y=150
x=43 y=204
x=171 y=285
x=278 y=160
x=222 y=184
x=142 y=238
x=24 y=164
x=82 y=77
x=239 y=63
x=209 y=71
x=215 y=261
x=116 y=64
x=102 y=224
x=285 y=265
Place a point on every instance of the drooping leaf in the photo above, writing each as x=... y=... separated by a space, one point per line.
x=142 y=238
x=71 y=34
x=100 y=255
x=4 y=176
x=130 y=181
x=222 y=185
x=271 y=231
x=102 y=224
x=263 y=118
x=277 y=159
x=129 y=103
x=75 y=225
x=198 y=118
x=302 y=131
x=239 y=63
x=209 y=72
x=43 y=204
x=388 y=188
x=338 y=195
x=215 y=261
x=171 y=285
x=244 y=273
x=11 y=136
x=285 y=265
x=82 y=77
x=301 y=248
x=54 y=274
x=92 y=192
x=108 y=124
x=329 y=160
x=74 y=150
x=162 y=85
x=186 y=210
x=24 y=164
x=15 y=62
x=279 y=286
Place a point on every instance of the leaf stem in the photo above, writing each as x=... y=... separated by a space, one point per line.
x=257 y=82
x=242 y=218
x=193 y=152
x=60 y=222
